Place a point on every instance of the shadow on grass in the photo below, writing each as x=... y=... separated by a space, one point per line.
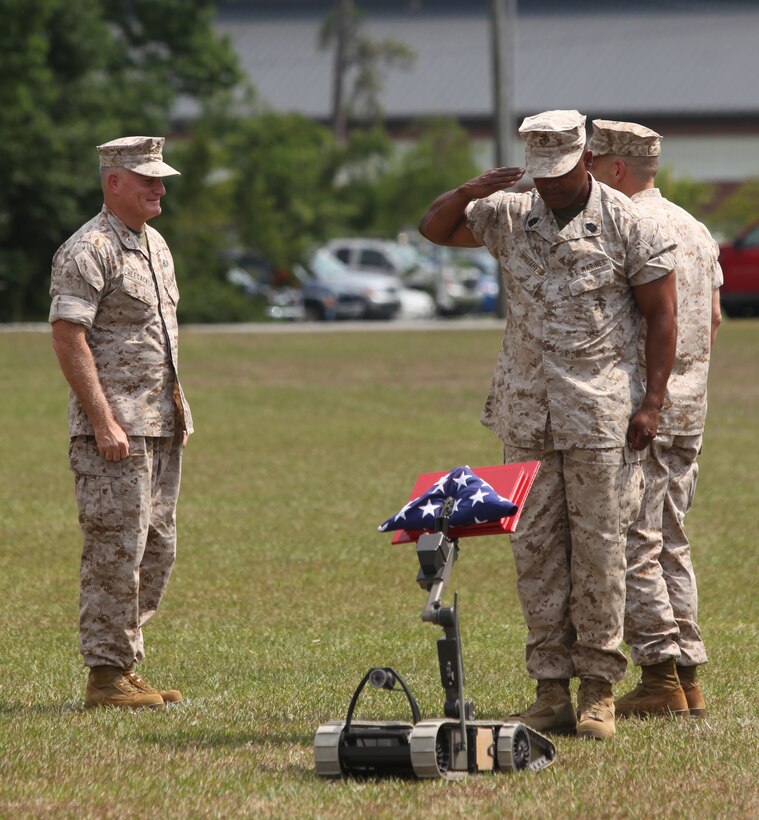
x=10 y=710
x=188 y=741
x=215 y=739
x=183 y=741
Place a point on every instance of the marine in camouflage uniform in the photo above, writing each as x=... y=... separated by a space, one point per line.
x=114 y=298
x=580 y=266
x=662 y=602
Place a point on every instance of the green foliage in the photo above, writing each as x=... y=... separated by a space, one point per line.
x=693 y=196
x=360 y=166
x=75 y=75
x=738 y=210
x=209 y=299
x=726 y=216
x=282 y=168
x=47 y=97
x=171 y=47
x=195 y=225
x=279 y=184
x=294 y=186
x=439 y=158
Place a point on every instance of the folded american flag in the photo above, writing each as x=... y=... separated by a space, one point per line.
x=474 y=502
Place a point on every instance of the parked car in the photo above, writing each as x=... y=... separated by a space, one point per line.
x=256 y=277
x=489 y=274
x=488 y=290
x=416 y=304
x=453 y=289
x=739 y=259
x=331 y=290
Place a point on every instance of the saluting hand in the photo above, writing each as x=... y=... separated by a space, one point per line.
x=496 y=179
x=445 y=220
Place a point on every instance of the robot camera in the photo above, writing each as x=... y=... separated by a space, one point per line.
x=432 y=550
x=382 y=679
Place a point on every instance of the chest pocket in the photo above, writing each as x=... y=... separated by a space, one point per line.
x=592 y=294
x=139 y=286
x=591 y=281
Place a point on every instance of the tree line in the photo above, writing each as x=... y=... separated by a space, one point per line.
x=79 y=74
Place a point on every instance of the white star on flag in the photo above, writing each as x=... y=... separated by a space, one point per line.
x=478 y=497
x=461 y=480
x=440 y=483
x=402 y=513
x=429 y=508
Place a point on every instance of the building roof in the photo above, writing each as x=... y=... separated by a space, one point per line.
x=669 y=59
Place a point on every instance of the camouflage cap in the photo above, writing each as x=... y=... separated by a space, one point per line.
x=624 y=139
x=139 y=154
x=554 y=142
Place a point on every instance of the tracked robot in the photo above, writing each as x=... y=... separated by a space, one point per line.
x=450 y=747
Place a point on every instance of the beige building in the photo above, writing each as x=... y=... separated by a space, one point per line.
x=686 y=68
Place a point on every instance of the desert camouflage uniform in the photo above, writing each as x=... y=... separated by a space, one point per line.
x=565 y=386
x=121 y=287
x=662 y=601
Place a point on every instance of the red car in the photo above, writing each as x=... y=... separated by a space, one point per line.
x=739 y=295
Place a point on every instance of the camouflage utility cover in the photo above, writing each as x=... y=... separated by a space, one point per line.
x=126 y=297
x=554 y=142
x=572 y=323
x=624 y=139
x=143 y=155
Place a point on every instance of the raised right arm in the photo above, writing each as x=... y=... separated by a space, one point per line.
x=445 y=221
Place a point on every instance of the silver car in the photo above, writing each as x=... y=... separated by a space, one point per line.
x=331 y=290
x=454 y=289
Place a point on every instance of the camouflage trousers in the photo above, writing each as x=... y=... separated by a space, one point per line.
x=127 y=512
x=569 y=551
x=662 y=599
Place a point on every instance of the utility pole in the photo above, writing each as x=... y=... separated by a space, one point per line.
x=503 y=22
x=343 y=25
x=503 y=31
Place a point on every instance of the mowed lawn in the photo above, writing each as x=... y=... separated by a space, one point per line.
x=284 y=594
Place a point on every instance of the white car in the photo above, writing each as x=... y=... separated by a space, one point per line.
x=416 y=304
x=453 y=289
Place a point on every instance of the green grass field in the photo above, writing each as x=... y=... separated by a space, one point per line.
x=284 y=594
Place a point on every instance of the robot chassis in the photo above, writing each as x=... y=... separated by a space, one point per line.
x=450 y=747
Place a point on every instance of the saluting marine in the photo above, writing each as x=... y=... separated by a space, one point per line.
x=580 y=267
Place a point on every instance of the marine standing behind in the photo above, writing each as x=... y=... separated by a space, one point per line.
x=113 y=312
x=580 y=267
x=662 y=601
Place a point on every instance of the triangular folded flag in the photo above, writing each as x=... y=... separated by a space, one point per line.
x=474 y=502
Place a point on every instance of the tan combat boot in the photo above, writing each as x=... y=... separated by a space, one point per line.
x=658 y=693
x=167 y=695
x=693 y=693
x=595 y=710
x=552 y=710
x=107 y=686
